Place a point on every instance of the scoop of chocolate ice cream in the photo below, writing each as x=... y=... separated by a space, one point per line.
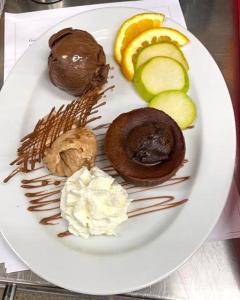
x=77 y=63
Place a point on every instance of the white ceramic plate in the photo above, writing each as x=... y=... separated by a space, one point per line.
x=148 y=248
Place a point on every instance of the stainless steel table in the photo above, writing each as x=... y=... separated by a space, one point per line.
x=213 y=273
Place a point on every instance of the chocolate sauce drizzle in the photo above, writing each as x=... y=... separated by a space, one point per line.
x=48 y=129
x=164 y=203
x=47 y=196
x=41 y=200
x=63 y=234
x=48 y=220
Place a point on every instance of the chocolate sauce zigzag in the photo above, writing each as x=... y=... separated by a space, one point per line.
x=49 y=128
x=42 y=200
x=48 y=190
x=137 y=212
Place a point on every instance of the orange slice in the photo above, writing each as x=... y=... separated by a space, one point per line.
x=132 y=27
x=146 y=38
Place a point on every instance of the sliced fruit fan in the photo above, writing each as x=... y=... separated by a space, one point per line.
x=150 y=56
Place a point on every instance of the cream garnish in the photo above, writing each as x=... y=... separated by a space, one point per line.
x=93 y=203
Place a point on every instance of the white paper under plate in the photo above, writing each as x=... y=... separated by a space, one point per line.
x=148 y=247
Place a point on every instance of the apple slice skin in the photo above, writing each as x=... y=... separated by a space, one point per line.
x=167 y=49
x=178 y=105
x=139 y=86
x=142 y=90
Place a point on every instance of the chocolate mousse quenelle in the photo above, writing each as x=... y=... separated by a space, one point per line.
x=77 y=63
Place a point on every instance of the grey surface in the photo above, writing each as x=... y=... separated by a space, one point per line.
x=9 y=291
x=213 y=272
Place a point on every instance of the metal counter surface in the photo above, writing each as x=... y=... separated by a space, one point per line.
x=213 y=272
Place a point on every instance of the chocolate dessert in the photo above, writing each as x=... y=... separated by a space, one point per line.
x=145 y=146
x=77 y=63
x=70 y=151
x=76 y=114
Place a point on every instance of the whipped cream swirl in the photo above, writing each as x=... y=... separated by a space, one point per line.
x=93 y=203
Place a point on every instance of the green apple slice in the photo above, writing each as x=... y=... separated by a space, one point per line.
x=177 y=105
x=161 y=49
x=160 y=74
